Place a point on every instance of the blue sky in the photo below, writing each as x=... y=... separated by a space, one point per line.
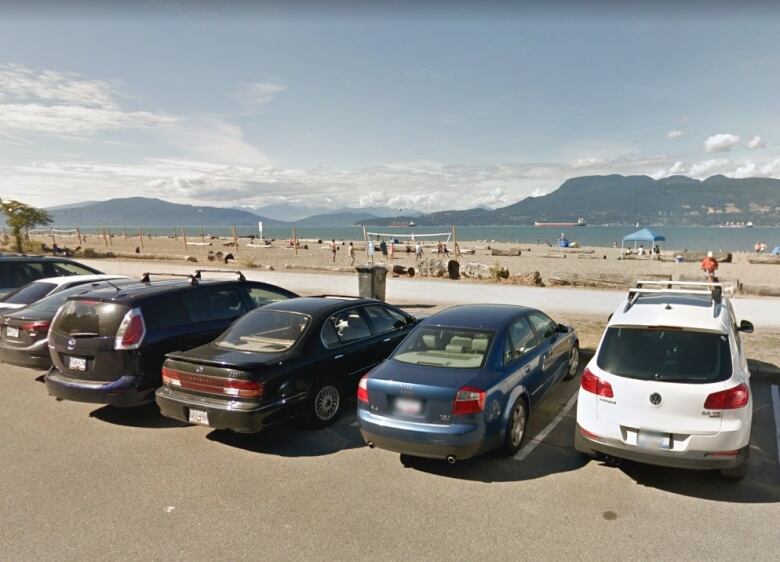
x=394 y=109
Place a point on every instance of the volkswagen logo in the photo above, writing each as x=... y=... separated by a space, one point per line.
x=199 y=369
x=71 y=343
x=655 y=399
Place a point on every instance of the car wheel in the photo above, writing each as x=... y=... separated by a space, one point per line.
x=324 y=404
x=574 y=363
x=515 y=428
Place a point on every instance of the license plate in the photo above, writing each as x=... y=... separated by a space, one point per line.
x=77 y=363
x=408 y=406
x=12 y=332
x=199 y=416
x=653 y=440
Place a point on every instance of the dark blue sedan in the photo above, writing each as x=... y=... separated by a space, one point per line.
x=465 y=381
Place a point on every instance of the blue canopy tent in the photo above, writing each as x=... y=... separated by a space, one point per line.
x=644 y=235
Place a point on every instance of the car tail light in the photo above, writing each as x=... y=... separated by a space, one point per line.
x=362 y=393
x=590 y=435
x=214 y=385
x=729 y=399
x=40 y=326
x=131 y=331
x=723 y=453
x=468 y=400
x=591 y=383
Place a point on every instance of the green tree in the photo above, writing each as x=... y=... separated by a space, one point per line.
x=20 y=216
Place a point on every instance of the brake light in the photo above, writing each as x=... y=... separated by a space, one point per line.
x=729 y=399
x=214 y=385
x=131 y=330
x=362 y=392
x=468 y=400
x=41 y=326
x=591 y=383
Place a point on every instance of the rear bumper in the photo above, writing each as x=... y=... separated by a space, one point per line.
x=122 y=392
x=36 y=356
x=427 y=440
x=241 y=417
x=697 y=460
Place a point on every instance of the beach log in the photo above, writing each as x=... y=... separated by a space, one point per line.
x=722 y=257
x=507 y=252
x=533 y=278
x=760 y=290
x=602 y=280
x=764 y=259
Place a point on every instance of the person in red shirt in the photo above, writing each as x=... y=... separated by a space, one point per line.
x=709 y=265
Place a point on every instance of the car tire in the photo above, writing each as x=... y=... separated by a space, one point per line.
x=516 y=424
x=738 y=472
x=574 y=362
x=324 y=404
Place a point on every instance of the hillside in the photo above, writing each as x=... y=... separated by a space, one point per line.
x=144 y=211
x=619 y=199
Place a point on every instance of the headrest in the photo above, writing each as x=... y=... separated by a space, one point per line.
x=430 y=341
x=453 y=348
x=479 y=345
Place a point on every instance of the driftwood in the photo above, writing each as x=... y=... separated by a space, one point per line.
x=553 y=256
x=601 y=280
x=761 y=290
x=590 y=257
x=701 y=278
x=767 y=260
x=722 y=257
x=399 y=270
x=533 y=278
x=336 y=268
x=133 y=255
x=576 y=251
x=508 y=252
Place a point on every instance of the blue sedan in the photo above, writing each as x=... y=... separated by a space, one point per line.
x=465 y=381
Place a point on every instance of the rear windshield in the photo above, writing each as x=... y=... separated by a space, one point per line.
x=30 y=293
x=665 y=355
x=265 y=331
x=445 y=347
x=53 y=302
x=89 y=318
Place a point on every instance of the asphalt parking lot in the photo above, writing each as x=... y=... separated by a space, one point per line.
x=80 y=480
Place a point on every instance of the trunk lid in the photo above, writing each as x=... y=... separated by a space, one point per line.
x=19 y=330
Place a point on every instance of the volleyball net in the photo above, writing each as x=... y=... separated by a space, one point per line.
x=411 y=237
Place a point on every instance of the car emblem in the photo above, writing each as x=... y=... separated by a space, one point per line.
x=655 y=399
x=71 y=343
x=199 y=369
x=406 y=389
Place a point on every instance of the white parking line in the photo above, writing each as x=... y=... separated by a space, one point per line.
x=531 y=445
x=776 y=407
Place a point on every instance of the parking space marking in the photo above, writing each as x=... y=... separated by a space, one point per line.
x=776 y=408
x=531 y=445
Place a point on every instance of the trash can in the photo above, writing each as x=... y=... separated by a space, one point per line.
x=372 y=280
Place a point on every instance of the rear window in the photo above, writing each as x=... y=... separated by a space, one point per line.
x=665 y=355
x=265 y=331
x=445 y=347
x=89 y=318
x=30 y=293
x=56 y=300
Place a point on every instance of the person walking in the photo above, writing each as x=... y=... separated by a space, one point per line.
x=709 y=265
x=392 y=250
x=383 y=248
x=418 y=251
x=351 y=254
x=333 y=249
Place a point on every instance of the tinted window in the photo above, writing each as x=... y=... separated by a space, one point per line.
x=90 y=318
x=204 y=304
x=260 y=296
x=15 y=273
x=544 y=326
x=520 y=340
x=69 y=268
x=329 y=336
x=56 y=300
x=445 y=347
x=30 y=293
x=265 y=331
x=666 y=355
x=384 y=319
x=166 y=312
x=349 y=326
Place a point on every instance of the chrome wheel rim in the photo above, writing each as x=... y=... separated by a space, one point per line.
x=518 y=425
x=326 y=403
x=574 y=361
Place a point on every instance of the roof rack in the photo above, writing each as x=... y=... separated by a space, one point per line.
x=699 y=288
x=145 y=276
x=346 y=297
x=241 y=276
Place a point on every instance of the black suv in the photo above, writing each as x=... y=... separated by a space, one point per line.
x=107 y=346
x=16 y=271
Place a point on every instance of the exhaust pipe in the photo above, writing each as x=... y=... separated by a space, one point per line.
x=612 y=461
x=371 y=445
x=451 y=459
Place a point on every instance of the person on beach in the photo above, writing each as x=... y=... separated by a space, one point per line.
x=657 y=252
x=383 y=248
x=709 y=265
x=757 y=247
x=418 y=251
x=392 y=250
x=351 y=251
x=457 y=251
x=333 y=249
x=444 y=250
x=439 y=249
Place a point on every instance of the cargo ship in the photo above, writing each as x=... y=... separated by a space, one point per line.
x=580 y=222
x=403 y=224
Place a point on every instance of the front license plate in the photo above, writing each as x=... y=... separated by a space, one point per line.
x=653 y=440
x=408 y=406
x=12 y=332
x=77 y=363
x=199 y=416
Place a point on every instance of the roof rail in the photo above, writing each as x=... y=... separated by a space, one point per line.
x=713 y=290
x=347 y=297
x=145 y=276
x=241 y=276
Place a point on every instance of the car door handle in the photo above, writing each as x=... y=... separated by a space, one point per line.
x=527 y=369
x=387 y=339
x=340 y=356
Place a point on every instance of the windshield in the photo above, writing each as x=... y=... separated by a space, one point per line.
x=445 y=347
x=30 y=293
x=265 y=331
x=666 y=355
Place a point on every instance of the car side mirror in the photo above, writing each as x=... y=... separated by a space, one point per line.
x=746 y=327
x=563 y=329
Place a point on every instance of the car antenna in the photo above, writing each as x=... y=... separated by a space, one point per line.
x=110 y=283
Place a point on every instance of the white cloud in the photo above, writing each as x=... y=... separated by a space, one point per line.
x=677 y=168
x=675 y=134
x=701 y=170
x=257 y=94
x=756 y=142
x=747 y=170
x=722 y=142
x=586 y=162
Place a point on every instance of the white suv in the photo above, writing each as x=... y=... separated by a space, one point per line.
x=669 y=384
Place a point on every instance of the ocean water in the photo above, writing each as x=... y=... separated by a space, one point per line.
x=677 y=237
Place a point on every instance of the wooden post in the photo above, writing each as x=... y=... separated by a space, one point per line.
x=455 y=247
x=174 y=233
x=105 y=238
x=184 y=237
x=235 y=239
x=53 y=239
x=124 y=231
x=295 y=241
x=202 y=238
x=141 y=238
x=110 y=237
x=78 y=233
x=365 y=239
